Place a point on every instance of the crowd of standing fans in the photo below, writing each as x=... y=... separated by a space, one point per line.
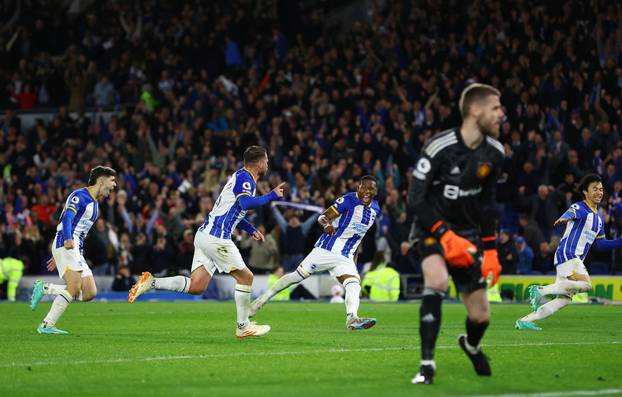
x=170 y=93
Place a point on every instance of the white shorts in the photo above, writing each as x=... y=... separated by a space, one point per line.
x=320 y=260
x=70 y=260
x=567 y=268
x=216 y=254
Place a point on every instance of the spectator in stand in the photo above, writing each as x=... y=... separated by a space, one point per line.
x=525 y=256
x=264 y=255
x=530 y=232
x=104 y=93
x=191 y=94
x=543 y=260
x=123 y=280
x=508 y=255
x=293 y=237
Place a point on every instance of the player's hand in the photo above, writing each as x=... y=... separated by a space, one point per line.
x=560 y=222
x=329 y=229
x=491 y=265
x=459 y=252
x=258 y=236
x=280 y=189
x=51 y=265
x=68 y=244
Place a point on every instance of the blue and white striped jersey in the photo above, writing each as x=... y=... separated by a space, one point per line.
x=584 y=226
x=227 y=212
x=353 y=222
x=86 y=208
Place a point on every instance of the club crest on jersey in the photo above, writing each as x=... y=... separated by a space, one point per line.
x=429 y=241
x=483 y=170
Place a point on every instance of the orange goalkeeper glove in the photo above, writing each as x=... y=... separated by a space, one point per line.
x=459 y=252
x=490 y=261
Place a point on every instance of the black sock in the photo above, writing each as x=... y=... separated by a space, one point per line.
x=430 y=321
x=475 y=331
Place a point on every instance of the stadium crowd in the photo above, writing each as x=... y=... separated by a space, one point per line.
x=191 y=84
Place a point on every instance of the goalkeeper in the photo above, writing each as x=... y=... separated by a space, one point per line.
x=452 y=196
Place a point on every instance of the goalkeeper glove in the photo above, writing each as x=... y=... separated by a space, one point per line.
x=459 y=252
x=490 y=261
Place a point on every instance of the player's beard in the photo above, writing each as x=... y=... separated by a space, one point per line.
x=106 y=190
x=489 y=128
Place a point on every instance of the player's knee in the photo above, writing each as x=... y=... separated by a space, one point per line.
x=196 y=289
x=480 y=316
x=563 y=300
x=73 y=287
x=437 y=283
x=246 y=278
x=88 y=295
x=198 y=283
x=585 y=286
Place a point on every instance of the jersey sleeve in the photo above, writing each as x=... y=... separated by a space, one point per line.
x=376 y=208
x=342 y=204
x=601 y=230
x=418 y=201
x=244 y=185
x=75 y=202
x=574 y=212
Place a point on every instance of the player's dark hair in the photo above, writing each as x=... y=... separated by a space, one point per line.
x=254 y=153
x=370 y=178
x=475 y=93
x=586 y=181
x=100 y=171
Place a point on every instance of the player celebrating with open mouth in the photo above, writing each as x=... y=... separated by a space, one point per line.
x=345 y=224
x=584 y=228
x=214 y=251
x=80 y=212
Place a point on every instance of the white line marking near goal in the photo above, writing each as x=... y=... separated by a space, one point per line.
x=281 y=353
x=602 y=392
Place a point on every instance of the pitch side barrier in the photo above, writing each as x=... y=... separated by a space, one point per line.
x=511 y=288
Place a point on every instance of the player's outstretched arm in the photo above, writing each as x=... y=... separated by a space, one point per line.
x=570 y=214
x=247 y=201
x=604 y=244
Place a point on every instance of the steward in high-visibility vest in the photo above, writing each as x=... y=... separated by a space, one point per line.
x=493 y=293
x=11 y=270
x=273 y=278
x=382 y=283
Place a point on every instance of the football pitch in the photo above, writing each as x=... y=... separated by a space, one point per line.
x=186 y=349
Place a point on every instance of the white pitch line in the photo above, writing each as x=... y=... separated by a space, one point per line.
x=602 y=392
x=277 y=353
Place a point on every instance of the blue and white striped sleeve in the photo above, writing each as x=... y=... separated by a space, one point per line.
x=75 y=202
x=244 y=185
x=342 y=204
x=574 y=212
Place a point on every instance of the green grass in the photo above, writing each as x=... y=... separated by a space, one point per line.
x=166 y=349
